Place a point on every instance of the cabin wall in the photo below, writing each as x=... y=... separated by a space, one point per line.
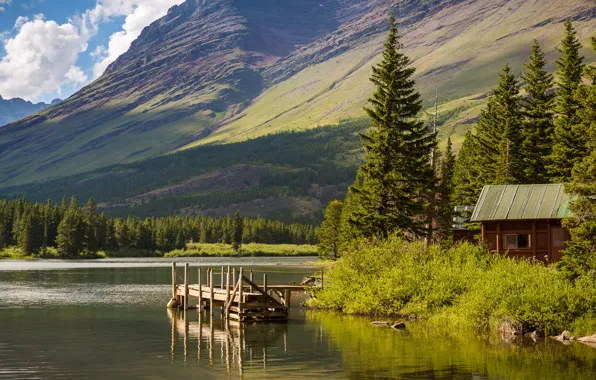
x=540 y=239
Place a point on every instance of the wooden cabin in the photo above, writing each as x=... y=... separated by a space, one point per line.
x=524 y=220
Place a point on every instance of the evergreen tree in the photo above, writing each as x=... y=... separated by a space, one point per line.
x=237 y=230
x=467 y=178
x=71 y=231
x=397 y=176
x=92 y=234
x=568 y=145
x=329 y=232
x=580 y=256
x=508 y=122
x=537 y=110
x=445 y=205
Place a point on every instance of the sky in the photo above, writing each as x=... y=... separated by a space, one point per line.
x=51 y=48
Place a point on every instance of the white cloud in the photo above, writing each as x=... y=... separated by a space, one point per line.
x=144 y=13
x=75 y=75
x=21 y=20
x=39 y=57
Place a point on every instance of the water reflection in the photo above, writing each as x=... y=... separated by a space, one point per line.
x=219 y=342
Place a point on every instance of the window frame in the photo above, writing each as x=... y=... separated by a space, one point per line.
x=517 y=235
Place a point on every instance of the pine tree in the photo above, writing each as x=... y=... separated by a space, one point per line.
x=508 y=122
x=580 y=255
x=568 y=145
x=467 y=178
x=537 y=111
x=329 y=231
x=444 y=233
x=237 y=230
x=71 y=231
x=397 y=176
x=92 y=223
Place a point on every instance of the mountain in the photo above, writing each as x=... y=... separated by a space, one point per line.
x=227 y=71
x=17 y=108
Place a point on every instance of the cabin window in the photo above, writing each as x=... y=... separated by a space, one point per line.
x=516 y=241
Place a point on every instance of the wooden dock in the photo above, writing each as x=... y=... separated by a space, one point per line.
x=238 y=297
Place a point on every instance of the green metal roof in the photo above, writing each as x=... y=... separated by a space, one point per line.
x=521 y=202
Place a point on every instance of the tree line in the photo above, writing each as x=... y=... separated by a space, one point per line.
x=535 y=134
x=539 y=128
x=75 y=231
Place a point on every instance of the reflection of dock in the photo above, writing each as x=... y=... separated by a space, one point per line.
x=232 y=341
x=239 y=297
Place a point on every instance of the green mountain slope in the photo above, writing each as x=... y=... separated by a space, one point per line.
x=215 y=72
x=289 y=176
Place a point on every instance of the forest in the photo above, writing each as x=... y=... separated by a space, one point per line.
x=68 y=230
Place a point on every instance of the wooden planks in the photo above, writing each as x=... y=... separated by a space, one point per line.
x=239 y=298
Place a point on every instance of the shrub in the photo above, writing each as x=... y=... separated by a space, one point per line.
x=462 y=286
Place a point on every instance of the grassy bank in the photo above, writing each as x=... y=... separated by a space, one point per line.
x=463 y=287
x=192 y=250
x=247 y=250
x=13 y=253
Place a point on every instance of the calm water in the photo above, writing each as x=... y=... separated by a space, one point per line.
x=107 y=320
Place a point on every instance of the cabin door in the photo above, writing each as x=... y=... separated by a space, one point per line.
x=557 y=243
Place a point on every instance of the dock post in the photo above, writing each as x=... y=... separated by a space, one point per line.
x=186 y=286
x=200 y=290
x=240 y=294
x=174 y=279
x=221 y=278
x=234 y=277
x=211 y=292
x=287 y=296
x=252 y=279
x=227 y=292
x=265 y=286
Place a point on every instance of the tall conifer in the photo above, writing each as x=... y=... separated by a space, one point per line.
x=397 y=176
x=569 y=147
x=467 y=178
x=537 y=109
x=510 y=159
x=444 y=233
x=329 y=232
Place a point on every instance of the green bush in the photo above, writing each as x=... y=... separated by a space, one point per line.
x=463 y=286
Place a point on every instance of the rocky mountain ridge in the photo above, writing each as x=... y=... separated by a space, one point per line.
x=17 y=108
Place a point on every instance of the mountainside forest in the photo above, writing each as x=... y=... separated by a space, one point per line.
x=218 y=105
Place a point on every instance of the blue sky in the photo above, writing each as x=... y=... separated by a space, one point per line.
x=51 y=48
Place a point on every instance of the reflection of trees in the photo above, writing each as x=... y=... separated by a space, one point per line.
x=234 y=342
x=432 y=352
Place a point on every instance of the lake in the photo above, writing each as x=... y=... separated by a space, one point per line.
x=107 y=319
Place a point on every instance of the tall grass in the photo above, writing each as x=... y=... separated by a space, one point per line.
x=252 y=249
x=462 y=287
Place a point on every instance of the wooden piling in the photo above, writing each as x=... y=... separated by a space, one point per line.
x=186 y=286
x=252 y=279
x=200 y=290
x=265 y=286
x=227 y=292
x=240 y=293
x=173 y=279
x=234 y=278
x=211 y=292
x=221 y=278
